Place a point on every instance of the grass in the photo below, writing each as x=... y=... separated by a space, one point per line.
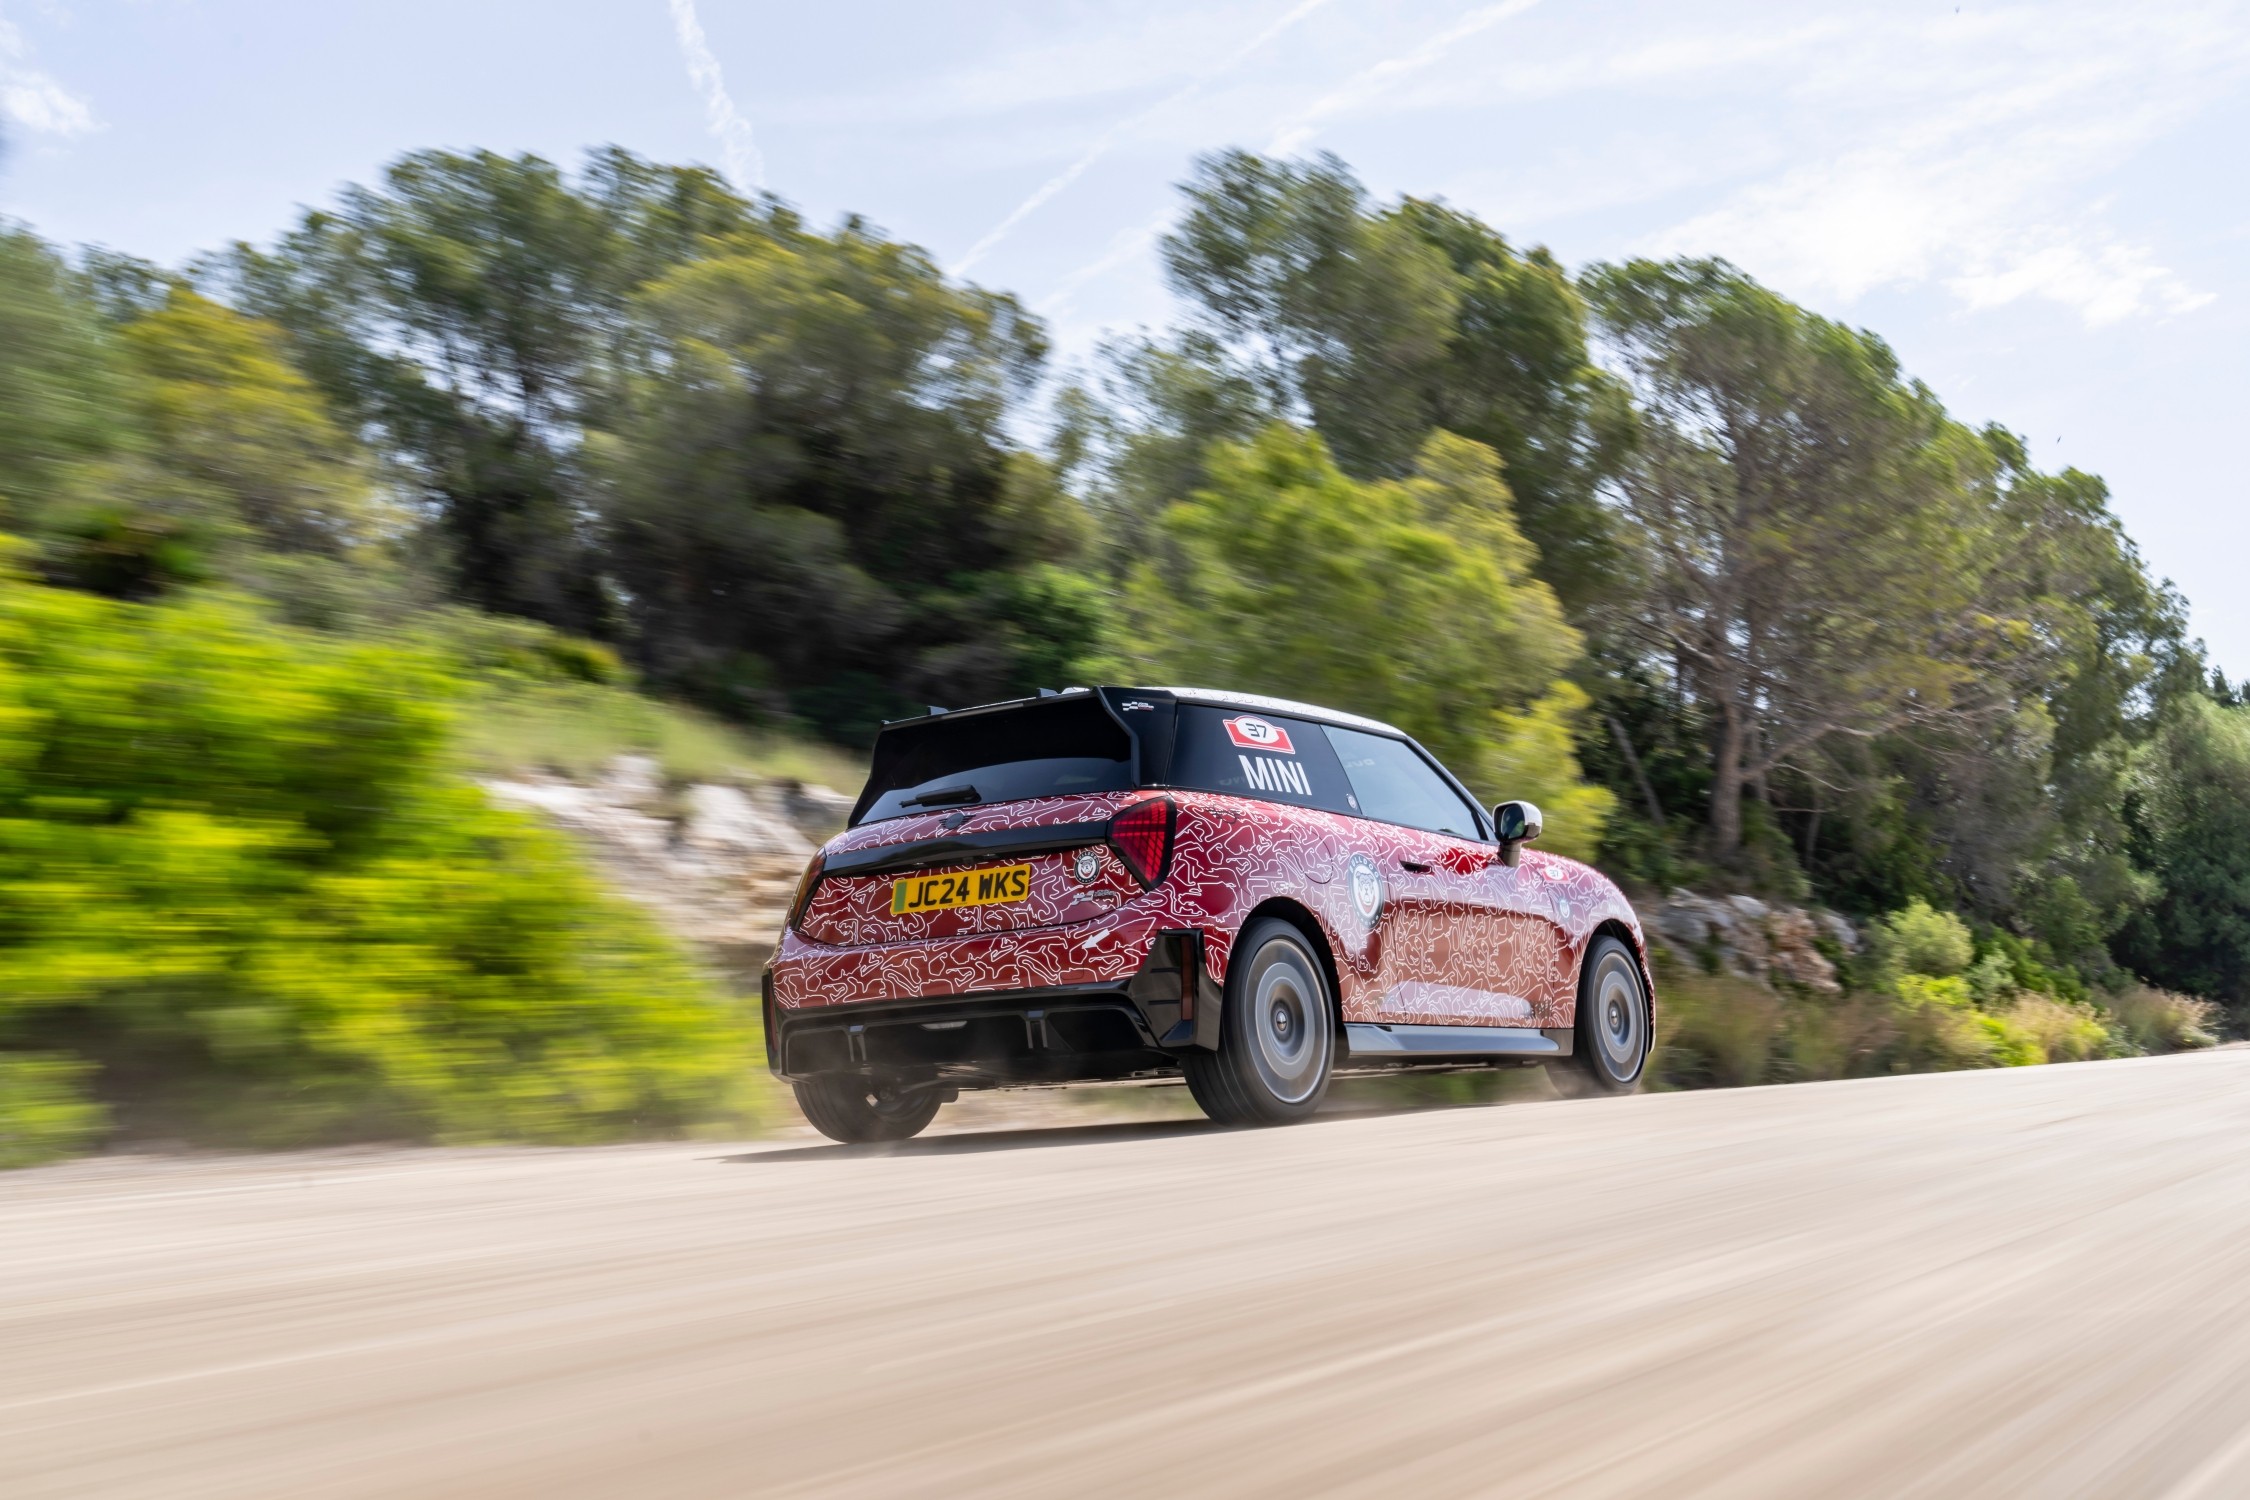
x=575 y=729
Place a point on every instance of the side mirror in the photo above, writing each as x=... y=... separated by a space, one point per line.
x=1517 y=824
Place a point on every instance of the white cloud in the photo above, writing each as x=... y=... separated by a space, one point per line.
x=32 y=100
x=2105 y=284
x=737 y=144
x=1964 y=156
x=1838 y=151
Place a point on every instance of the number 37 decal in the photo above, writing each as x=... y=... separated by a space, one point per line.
x=1257 y=734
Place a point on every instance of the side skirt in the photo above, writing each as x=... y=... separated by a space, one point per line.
x=1378 y=1043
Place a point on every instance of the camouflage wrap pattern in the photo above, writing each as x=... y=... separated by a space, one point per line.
x=1456 y=937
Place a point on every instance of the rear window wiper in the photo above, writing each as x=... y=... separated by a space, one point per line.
x=944 y=796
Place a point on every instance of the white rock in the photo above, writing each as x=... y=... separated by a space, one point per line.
x=720 y=817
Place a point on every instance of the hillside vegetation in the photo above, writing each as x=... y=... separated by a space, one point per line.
x=239 y=873
x=492 y=466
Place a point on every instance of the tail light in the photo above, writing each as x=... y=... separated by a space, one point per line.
x=1142 y=837
x=807 y=883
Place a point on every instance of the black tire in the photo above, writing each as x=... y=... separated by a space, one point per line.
x=849 y=1108
x=1277 y=1033
x=1613 y=1032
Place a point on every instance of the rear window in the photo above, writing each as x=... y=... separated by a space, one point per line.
x=1265 y=756
x=1061 y=748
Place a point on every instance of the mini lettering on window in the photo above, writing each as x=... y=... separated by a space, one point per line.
x=1282 y=776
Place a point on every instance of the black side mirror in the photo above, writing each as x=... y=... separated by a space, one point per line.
x=1518 y=824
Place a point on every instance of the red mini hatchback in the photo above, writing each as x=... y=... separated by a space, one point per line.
x=1121 y=883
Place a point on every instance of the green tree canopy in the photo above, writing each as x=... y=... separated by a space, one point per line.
x=467 y=309
x=809 y=468
x=1813 y=530
x=1412 y=600
x=225 y=410
x=61 y=392
x=1382 y=324
x=2190 y=812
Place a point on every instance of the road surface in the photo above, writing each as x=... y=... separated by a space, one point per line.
x=2024 y=1283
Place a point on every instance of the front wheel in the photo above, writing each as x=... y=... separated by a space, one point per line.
x=1277 y=1033
x=849 y=1108
x=1612 y=1042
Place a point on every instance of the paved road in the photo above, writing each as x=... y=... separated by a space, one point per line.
x=2027 y=1283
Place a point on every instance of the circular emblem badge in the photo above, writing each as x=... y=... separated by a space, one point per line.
x=1088 y=865
x=1367 y=889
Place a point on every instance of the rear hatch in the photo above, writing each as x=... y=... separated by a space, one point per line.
x=988 y=820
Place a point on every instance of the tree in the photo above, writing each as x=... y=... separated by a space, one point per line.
x=225 y=411
x=467 y=310
x=1808 y=521
x=61 y=406
x=2190 y=815
x=1380 y=325
x=808 y=471
x=1412 y=600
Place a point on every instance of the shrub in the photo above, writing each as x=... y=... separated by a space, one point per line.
x=2057 y=1030
x=44 y=1113
x=236 y=875
x=1721 y=1030
x=1940 y=1028
x=2155 y=1020
x=1922 y=940
x=1715 y=1030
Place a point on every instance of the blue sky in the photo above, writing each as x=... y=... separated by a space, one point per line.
x=2042 y=206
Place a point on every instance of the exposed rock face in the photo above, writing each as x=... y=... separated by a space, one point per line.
x=1753 y=938
x=716 y=864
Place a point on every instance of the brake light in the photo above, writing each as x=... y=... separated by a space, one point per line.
x=1142 y=837
x=807 y=883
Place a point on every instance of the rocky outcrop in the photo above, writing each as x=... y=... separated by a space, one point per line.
x=716 y=863
x=1753 y=938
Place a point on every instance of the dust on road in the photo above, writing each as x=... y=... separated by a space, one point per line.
x=2027 y=1282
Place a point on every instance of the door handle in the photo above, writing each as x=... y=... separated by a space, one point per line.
x=1415 y=865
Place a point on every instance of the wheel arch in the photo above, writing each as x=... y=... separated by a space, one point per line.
x=1301 y=917
x=1617 y=928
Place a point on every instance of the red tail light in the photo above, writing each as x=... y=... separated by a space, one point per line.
x=807 y=883
x=1142 y=837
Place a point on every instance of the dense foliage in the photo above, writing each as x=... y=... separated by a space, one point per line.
x=1706 y=574
x=236 y=873
x=769 y=463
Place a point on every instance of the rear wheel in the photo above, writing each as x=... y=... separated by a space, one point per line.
x=1277 y=1033
x=849 y=1108
x=1612 y=1042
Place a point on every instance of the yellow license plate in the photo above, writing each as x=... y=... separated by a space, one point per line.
x=973 y=888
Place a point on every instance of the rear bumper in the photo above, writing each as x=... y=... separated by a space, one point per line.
x=813 y=976
x=988 y=1041
x=1122 y=1010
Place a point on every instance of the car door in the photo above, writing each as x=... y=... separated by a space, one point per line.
x=1451 y=935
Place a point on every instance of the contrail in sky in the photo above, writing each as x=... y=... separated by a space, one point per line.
x=737 y=145
x=1369 y=82
x=1301 y=127
x=1127 y=126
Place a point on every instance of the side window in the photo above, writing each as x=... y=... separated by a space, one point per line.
x=1395 y=785
x=1258 y=755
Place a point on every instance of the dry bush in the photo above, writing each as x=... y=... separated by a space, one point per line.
x=2157 y=1020
x=2062 y=1032
x=1714 y=1030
